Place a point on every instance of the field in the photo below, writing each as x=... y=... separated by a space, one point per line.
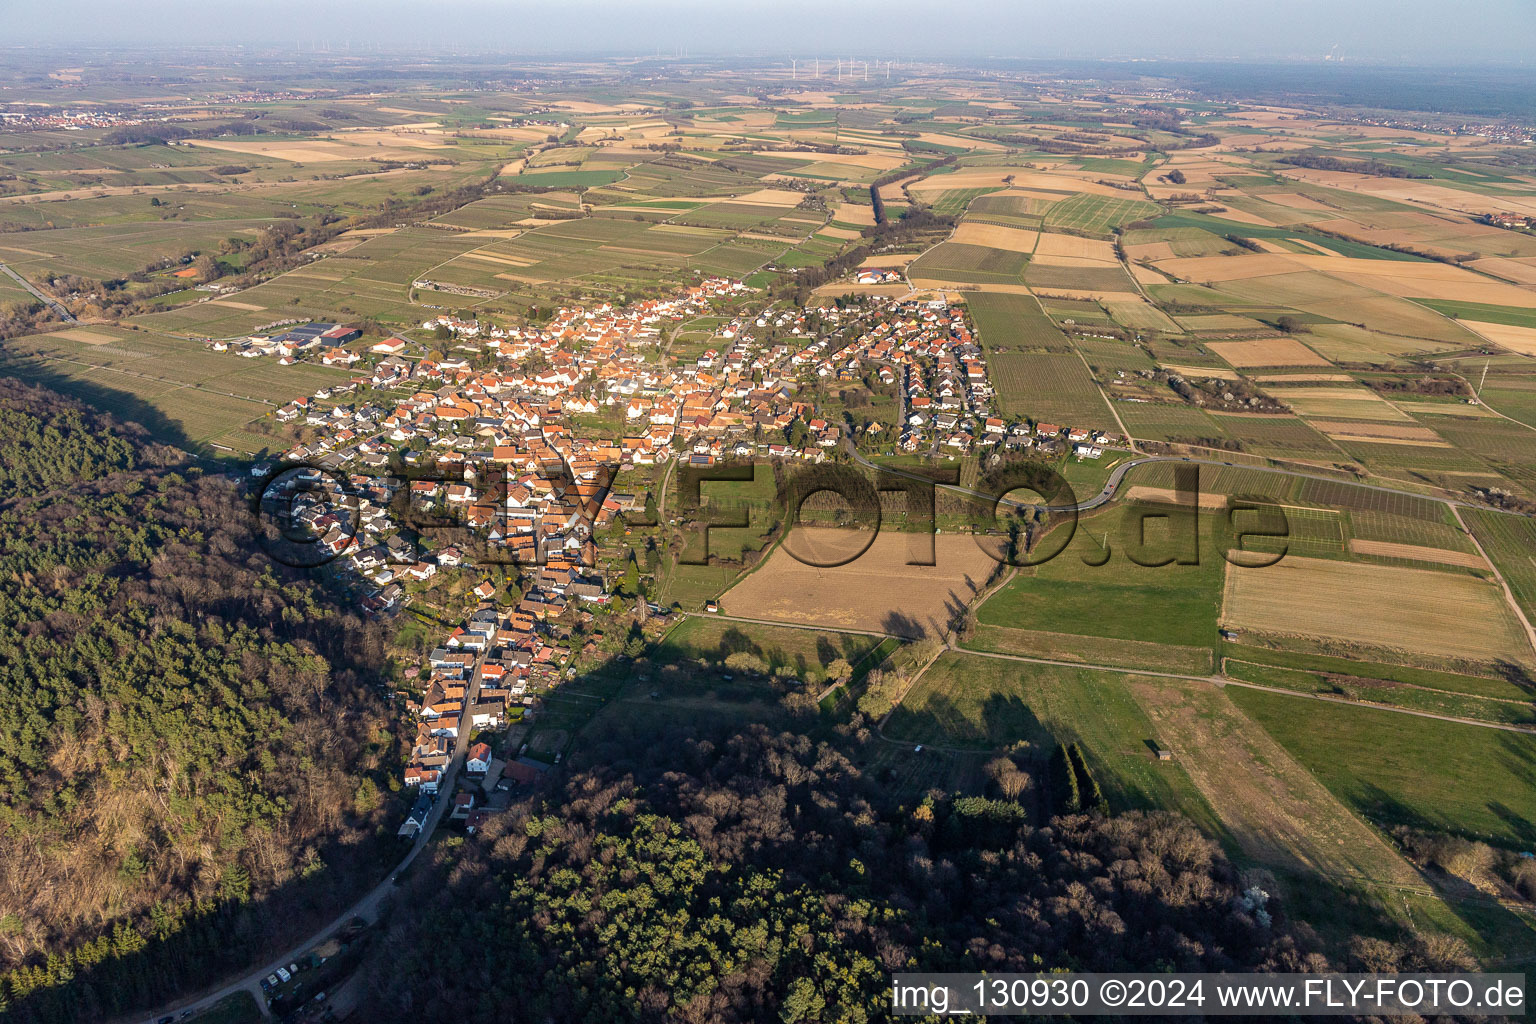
x=1511 y=542
x=184 y=393
x=693 y=655
x=974 y=702
x=969 y=264
x=1097 y=214
x=1168 y=612
x=1050 y=387
x=1007 y=323
x=1374 y=761
x=1272 y=352
x=878 y=592
x=1414 y=610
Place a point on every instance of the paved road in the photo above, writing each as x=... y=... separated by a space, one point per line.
x=63 y=313
x=369 y=905
x=1117 y=475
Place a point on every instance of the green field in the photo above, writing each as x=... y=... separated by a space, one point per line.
x=1049 y=387
x=1513 y=316
x=185 y=394
x=969 y=264
x=1511 y=542
x=1375 y=761
x=1175 y=605
x=1097 y=214
x=1008 y=323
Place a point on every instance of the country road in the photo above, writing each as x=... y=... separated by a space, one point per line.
x=54 y=304
x=367 y=907
x=1117 y=475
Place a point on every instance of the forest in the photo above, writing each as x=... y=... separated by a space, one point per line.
x=714 y=873
x=193 y=751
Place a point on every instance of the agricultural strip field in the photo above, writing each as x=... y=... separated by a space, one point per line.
x=1374 y=760
x=1414 y=610
x=1097 y=214
x=1050 y=387
x=962 y=263
x=1511 y=542
x=1159 y=606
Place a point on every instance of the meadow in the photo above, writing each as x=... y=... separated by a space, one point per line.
x=1374 y=761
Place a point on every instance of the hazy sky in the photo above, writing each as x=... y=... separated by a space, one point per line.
x=1423 y=31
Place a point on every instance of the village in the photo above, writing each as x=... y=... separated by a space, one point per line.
x=496 y=432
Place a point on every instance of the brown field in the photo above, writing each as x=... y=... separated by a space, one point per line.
x=1516 y=339
x=493 y=258
x=87 y=337
x=1229 y=268
x=232 y=304
x=944 y=284
x=349 y=146
x=1459 y=409
x=995 y=236
x=1522 y=271
x=1202 y=372
x=1075 y=250
x=1377 y=439
x=838 y=234
x=877 y=592
x=1415 y=192
x=893 y=193
x=1023 y=177
x=1418 y=280
x=853 y=213
x=1267 y=352
x=1340 y=403
x=849 y=288
x=1146 y=275
x=775 y=196
x=1384 y=431
x=1389 y=549
x=1167 y=495
x=1300 y=378
x=1244 y=217
x=1417 y=610
x=890 y=259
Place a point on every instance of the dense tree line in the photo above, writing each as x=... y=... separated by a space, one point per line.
x=914 y=223
x=1331 y=163
x=696 y=873
x=191 y=745
x=897 y=175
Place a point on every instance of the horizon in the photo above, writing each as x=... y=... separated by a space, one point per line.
x=1374 y=32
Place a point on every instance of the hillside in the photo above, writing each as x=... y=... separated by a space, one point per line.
x=186 y=739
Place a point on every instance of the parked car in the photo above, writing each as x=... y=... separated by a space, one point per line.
x=283 y=975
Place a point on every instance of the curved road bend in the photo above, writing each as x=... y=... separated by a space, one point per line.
x=366 y=907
